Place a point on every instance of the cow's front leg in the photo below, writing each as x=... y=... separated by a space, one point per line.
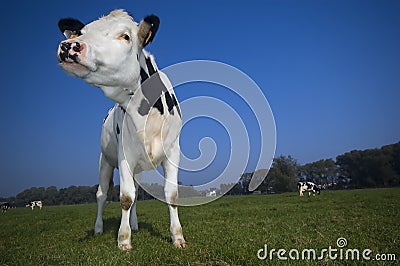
x=127 y=196
x=171 y=196
x=133 y=218
x=105 y=177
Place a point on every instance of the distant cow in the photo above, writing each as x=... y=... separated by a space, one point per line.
x=33 y=204
x=4 y=206
x=308 y=187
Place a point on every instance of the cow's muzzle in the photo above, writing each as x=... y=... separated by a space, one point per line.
x=70 y=51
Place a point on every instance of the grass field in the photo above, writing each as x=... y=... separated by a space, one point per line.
x=228 y=231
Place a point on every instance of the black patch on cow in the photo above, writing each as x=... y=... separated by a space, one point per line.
x=66 y=46
x=64 y=53
x=74 y=57
x=143 y=75
x=176 y=105
x=105 y=118
x=123 y=109
x=117 y=129
x=150 y=66
x=152 y=91
x=158 y=104
x=144 y=107
x=170 y=102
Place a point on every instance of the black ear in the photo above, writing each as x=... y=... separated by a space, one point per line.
x=70 y=27
x=147 y=29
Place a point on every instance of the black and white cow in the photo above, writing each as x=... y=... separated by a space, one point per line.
x=4 y=206
x=308 y=187
x=142 y=130
x=33 y=204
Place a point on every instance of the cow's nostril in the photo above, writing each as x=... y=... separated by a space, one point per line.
x=77 y=48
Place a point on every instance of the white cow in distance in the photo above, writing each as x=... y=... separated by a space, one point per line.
x=309 y=187
x=142 y=130
x=33 y=204
x=4 y=206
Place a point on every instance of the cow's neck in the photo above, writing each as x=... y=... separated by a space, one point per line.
x=120 y=95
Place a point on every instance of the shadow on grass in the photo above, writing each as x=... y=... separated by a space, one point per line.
x=112 y=225
x=109 y=225
x=149 y=228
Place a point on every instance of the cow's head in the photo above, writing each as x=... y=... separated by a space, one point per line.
x=105 y=52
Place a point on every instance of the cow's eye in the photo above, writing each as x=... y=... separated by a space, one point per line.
x=124 y=37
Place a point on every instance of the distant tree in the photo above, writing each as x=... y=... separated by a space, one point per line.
x=231 y=189
x=283 y=174
x=267 y=185
x=371 y=168
x=244 y=183
x=320 y=172
x=188 y=191
x=50 y=197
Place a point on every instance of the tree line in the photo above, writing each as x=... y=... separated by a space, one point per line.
x=355 y=169
x=85 y=194
x=65 y=196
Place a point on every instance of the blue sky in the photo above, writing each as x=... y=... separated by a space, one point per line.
x=329 y=69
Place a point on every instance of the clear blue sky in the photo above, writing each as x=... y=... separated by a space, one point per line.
x=329 y=69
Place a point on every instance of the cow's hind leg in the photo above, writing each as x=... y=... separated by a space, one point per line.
x=105 y=178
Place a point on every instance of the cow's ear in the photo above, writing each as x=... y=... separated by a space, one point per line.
x=147 y=29
x=70 y=27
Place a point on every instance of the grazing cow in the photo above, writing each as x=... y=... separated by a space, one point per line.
x=211 y=193
x=4 y=206
x=308 y=187
x=37 y=203
x=142 y=130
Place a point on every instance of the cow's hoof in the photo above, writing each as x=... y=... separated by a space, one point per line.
x=98 y=228
x=180 y=243
x=98 y=232
x=125 y=247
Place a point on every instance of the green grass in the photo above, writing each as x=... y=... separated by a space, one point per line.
x=228 y=231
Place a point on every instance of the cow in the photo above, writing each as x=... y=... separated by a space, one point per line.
x=142 y=130
x=4 y=206
x=33 y=204
x=308 y=187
